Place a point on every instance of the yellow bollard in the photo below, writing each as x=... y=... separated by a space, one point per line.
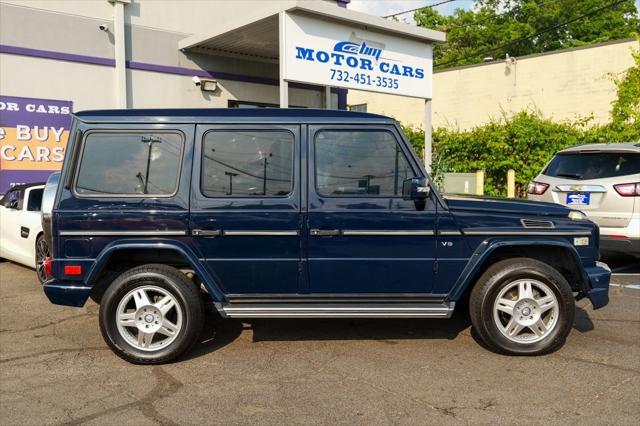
x=511 y=183
x=480 y=182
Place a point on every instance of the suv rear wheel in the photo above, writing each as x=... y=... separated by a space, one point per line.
x=522 y=307
x=151 y=314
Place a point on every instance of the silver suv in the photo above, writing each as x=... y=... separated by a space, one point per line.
x=603 y=181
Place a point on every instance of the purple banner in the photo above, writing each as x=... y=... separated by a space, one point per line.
x=33 y=137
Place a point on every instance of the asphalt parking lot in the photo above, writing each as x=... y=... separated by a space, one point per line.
x=55 y=368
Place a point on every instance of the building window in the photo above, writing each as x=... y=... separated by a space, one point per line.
x=368 y=163
x=130 y=163
x=247 y=163
x=358 y=108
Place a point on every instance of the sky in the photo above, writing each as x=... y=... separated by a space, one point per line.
x=388 y=7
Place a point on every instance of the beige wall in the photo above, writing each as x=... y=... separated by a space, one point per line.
x=88 y=86
x=182 y=16
x=91 y=87
x=563 y=85
x=71 y=27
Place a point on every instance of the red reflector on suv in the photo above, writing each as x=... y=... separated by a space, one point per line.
x=47 y=267
x=628 y=189
x=73 y=270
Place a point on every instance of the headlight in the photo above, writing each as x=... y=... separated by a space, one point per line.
x=576 y=215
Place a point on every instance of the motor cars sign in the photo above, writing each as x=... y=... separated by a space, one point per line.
x=337 y=55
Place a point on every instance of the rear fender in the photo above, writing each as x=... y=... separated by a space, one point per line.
x=192 y=259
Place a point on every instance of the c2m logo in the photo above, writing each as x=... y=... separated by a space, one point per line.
x=358 y=49
x=360 y=56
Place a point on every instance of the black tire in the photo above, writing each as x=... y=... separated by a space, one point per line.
x=176 y=284
x=42 y=251
x=503 y=274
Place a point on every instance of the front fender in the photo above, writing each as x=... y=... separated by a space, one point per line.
x=488 y=246
x=210 y=283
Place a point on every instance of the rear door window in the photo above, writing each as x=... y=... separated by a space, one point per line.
x=247 y=163
x=581 y=166
x=134 y=164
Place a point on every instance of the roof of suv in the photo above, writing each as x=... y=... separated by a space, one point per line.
x=230 y=114
x=603 y=147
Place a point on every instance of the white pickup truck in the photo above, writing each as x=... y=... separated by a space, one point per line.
x=21 y=237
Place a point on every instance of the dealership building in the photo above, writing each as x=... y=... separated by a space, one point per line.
x=62 y=56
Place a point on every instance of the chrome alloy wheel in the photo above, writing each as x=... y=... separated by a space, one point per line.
x=149 y=318
x=526 y=311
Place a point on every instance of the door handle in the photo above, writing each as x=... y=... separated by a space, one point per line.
x=325 y=232
x=204 y=233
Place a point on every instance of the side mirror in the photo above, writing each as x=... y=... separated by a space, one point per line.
x=415 y=188
x=13 y=205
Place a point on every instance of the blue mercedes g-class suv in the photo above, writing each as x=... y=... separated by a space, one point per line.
x=295 y=213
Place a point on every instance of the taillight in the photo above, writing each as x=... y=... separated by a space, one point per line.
x=537 y=188
x=47 y=267
x=628 y=189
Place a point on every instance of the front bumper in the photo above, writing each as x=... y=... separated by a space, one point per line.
x=66 y=293
x=599 y=277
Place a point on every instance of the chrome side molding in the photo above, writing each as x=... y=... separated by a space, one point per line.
x=292 y=233
x=548 y=232
x=374 y=232
x=220 y=233
x=92 y=233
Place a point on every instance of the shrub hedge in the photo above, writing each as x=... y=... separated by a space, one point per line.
x=526 y=141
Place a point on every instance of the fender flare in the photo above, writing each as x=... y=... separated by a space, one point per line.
x=490 y=245
x=210 y=283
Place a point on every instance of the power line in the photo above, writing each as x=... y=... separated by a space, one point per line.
x=545 y=30
x=421 y=7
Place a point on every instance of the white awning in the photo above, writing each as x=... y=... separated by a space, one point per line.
x=256 y=34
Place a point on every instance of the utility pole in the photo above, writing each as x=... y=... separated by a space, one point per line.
x=264 y=175
x=149 y=141
x=395 y=173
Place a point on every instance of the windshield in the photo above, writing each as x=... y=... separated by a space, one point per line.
x=50 y=192
x=593 y=165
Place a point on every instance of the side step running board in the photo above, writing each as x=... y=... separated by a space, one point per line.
x=337 y=310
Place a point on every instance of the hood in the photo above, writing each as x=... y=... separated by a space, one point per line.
x=506 y=205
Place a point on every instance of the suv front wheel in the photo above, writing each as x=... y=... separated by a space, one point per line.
x=151 y=314
x=522 y=307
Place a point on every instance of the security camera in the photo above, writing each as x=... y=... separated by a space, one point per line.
x=104 y=27
x=197 y=81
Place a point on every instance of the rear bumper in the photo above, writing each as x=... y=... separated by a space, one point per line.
x=599 y=277
x=620 y=245
x=66 y=293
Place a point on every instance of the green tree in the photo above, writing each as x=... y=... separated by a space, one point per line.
x=496 y=28
x=526 y=141
x=625 y=113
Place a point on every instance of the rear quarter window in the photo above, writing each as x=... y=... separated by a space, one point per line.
x=35 y=200
x=598 y=165
x=133 y=164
